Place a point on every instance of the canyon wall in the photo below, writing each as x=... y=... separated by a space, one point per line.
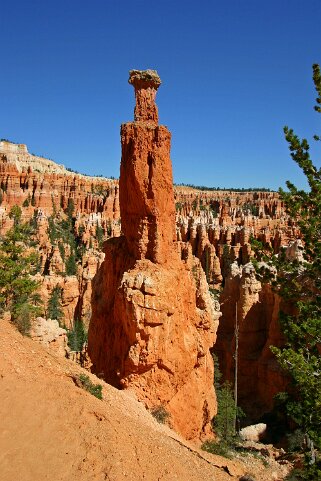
x=214 y=226
x=153 y=320
x=250 y=311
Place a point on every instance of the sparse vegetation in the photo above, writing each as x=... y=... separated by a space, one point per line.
x=299 y=283
x=219 y=448
x=26 y=203
x=227 y=412
x=77 y=336
x=54 y=309
x=95 y=389
x=18 y=262
x=61 y=232
x=99 y=235
x=160 y=414
x=224 y=422
x=250 y=207
x=229 y=189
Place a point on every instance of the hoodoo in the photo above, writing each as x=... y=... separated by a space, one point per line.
x=153 y=320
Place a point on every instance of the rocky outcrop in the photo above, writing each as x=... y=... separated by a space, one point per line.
x=254 y=433
x=214 y=226
x=153 y=319
x=40 y=183
x=50 y=334
x=255 y=308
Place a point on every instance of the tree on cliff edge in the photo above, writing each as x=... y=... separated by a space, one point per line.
x=18 y=264
x=300 y=284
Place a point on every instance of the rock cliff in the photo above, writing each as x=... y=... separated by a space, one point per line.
x=214 y=226
x=153 y=319
x=255 y=309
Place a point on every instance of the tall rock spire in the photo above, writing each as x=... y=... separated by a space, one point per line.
x=153 y=319
x=146 y=183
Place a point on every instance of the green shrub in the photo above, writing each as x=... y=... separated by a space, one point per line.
x=160 y=414
x=71 y=266
x=94 y=389
x=295 y=441
x=54 y=308
x=77 y=336
x=310 y=472
x=18 y=263
x=219 y=448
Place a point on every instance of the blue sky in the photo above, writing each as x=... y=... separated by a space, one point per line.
x=234 y=73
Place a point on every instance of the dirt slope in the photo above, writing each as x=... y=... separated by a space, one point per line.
x=50 y=429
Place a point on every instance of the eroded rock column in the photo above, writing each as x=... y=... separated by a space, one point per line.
x=153 y=320
x=146 y=182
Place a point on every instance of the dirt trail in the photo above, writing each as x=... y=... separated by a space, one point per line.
x=50 y=429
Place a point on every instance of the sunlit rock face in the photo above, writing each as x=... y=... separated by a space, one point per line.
x=153 y=319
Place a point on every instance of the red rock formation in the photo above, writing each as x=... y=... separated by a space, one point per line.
x=25 y=177
x=214 y=226
x=257 y=307
x=153 y=319
x=146 y=183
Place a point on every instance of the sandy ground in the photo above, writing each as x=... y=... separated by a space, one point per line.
x=52 y=430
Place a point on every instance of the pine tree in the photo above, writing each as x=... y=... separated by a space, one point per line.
x=99 y=235
x=18 y=262
x=71 y=266
x=77 y=336
x=224 y=421
x=300 y=284
x=54 y=309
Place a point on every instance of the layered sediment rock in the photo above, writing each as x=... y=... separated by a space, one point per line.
x=214 y=226
x=153 y=320
x=255 y=309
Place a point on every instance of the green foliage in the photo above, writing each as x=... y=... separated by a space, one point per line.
x=71 y=266
x=100 y=190
x=94 y=389
x=224 y=421
x=262 y=252
x=26 y=203
x=301 y=356
x=61 y=232
x=221 y=449
x=295 y=441
x=226 y=261
x=99 y=235
x=77 y=336
x=229 y=189
x=22 y=315
x=18 y=262
x=54 y=309
x=70 y=208
x=160 y=414
x=15 y=214
x=310 y=472
x=227 y=412
x=251 y=208
x=300 y=284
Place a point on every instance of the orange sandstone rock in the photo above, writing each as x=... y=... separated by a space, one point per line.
x=257 y=308
x=153 y=319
